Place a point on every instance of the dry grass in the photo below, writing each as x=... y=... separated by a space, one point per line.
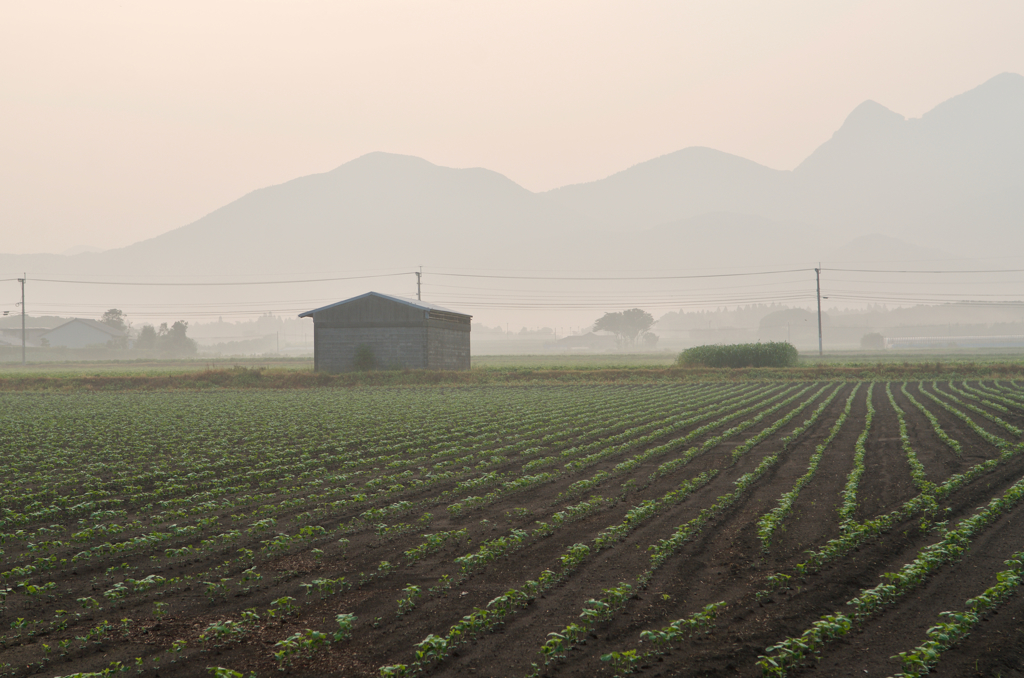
x=281 y=378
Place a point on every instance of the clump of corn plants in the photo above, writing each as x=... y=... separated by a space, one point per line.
x=768 y=354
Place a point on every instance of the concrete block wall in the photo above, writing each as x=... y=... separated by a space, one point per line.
x=393 y=347
x=447 y=348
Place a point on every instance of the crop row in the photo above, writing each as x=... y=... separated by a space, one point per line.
x=330 y=482
x=783 y=656
x=955 y=626
x=483 y=619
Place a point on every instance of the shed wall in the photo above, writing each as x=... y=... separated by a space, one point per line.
x=447 y=346
x=400 y=335
x=402 y=347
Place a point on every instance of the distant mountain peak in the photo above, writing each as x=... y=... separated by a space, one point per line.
x=869 y=126
x=383 y=159
x=397 y=167
x=870 y=117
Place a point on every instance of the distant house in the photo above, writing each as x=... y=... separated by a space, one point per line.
x=79 y=333
x=12 y=335
x=393 y=332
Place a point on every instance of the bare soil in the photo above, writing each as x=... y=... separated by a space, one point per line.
x=724 y=563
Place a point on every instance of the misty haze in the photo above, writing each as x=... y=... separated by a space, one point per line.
x=883 y=193
x=511 y=339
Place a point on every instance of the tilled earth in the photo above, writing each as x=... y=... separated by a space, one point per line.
x=724 y=562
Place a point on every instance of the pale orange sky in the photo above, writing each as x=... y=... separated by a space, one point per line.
x=122 y=120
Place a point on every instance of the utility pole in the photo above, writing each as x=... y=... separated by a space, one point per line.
x=817 y=276
x=419 y=275
x=22 y=281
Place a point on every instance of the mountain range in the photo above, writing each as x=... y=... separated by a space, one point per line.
x=883 y=187
x=878 y=173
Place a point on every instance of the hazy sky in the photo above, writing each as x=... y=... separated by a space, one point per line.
x=122 y=120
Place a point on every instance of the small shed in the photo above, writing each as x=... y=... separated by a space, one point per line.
x=80 y=333
x=395 y=332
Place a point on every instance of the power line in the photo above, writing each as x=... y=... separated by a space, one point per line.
x=484 y=303
x=975 y=302
x=216 y=284
x=498 y=298
x=921 y=282
x=938 y=296
x=655 y=277
x=590 y=289
x=391 y=269
x=610 y=278
x=874 y=270
x=391 y=275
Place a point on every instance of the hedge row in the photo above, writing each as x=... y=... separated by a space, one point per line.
x=769 y=354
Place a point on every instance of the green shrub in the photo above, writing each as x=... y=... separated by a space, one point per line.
x=769 y=354
x=365 y=360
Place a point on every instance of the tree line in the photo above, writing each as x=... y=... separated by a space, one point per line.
x=171 y=339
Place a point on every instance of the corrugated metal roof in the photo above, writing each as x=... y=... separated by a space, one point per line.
x=425 y=305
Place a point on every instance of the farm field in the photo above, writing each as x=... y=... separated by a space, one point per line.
x=154 y=367
x=10 y=365
x=671 y=529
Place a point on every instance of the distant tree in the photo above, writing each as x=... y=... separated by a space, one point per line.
x=116 y=318
x=628 y=326
x=174 y=339
x=649 y=340
x=147 y=338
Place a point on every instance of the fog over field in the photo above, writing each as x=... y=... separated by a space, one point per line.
x=878 y=205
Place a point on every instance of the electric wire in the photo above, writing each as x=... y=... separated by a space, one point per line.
x=215 y=284
x=953 y=271
x=474 y=297
x=592 y=278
